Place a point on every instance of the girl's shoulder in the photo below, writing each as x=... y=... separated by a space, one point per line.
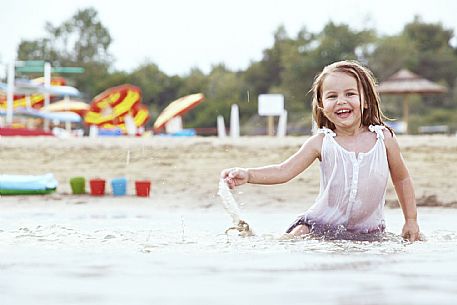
x=317 y=138
x=382 y=131
x=390 y=139
x=314 y=143
x=388 y=134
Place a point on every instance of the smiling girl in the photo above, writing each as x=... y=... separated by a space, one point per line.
x=357 y=152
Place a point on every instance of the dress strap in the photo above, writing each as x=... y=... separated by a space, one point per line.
x=378 y=129
x=326 y=131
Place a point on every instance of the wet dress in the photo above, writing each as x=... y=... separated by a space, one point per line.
x=352 y=188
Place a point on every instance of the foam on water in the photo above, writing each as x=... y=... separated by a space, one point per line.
x=96 y=250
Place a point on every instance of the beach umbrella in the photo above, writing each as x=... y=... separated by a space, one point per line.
x=67 y=104
x=178 y=107
x=113 y=103
x=405 y=82
x=139 y=114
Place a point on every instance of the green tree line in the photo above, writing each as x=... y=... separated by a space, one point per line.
x=287 y=67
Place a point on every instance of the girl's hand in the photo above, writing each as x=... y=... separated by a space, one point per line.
x=235 y=176
x=411 y=230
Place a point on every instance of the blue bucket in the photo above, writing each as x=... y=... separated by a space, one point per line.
x=119 y=186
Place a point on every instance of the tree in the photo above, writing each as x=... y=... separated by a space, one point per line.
x=298 y=72
x=381 y=61
x=80 y=41
x=425 y=49
x=421 y=47
x=155 y=85
x=266 y=73
x=427 y=36
x=436 y=57
x=194 y=82
x=339 y=42
x=304 y=57
x=224 y=88
x=37 y=50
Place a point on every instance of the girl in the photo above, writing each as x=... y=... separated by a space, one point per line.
x=356 y=153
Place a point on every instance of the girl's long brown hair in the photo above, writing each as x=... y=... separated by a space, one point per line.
x=366 y=85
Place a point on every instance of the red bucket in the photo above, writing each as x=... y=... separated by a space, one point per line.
x=97 y=187
x=142 y=187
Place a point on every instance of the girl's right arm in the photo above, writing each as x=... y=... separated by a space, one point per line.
x=277 y=173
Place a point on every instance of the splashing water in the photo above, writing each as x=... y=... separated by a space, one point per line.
x=233 y=209
x=230 y=204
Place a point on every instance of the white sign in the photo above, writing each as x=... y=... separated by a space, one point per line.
x=271 y=104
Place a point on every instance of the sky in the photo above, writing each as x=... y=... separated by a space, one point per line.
x=179 y=35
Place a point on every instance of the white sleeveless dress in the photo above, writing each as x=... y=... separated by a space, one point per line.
x=352 y=188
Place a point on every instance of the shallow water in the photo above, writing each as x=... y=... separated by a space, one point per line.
x=135 y=254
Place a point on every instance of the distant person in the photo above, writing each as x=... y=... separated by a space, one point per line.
x=356 y=150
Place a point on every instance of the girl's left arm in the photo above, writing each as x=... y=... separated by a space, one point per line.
x=403 y=187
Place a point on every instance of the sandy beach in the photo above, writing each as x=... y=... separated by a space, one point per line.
x=170 y=248
x=185 y=171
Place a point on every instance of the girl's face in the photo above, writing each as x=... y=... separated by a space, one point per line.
x=341 y=100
